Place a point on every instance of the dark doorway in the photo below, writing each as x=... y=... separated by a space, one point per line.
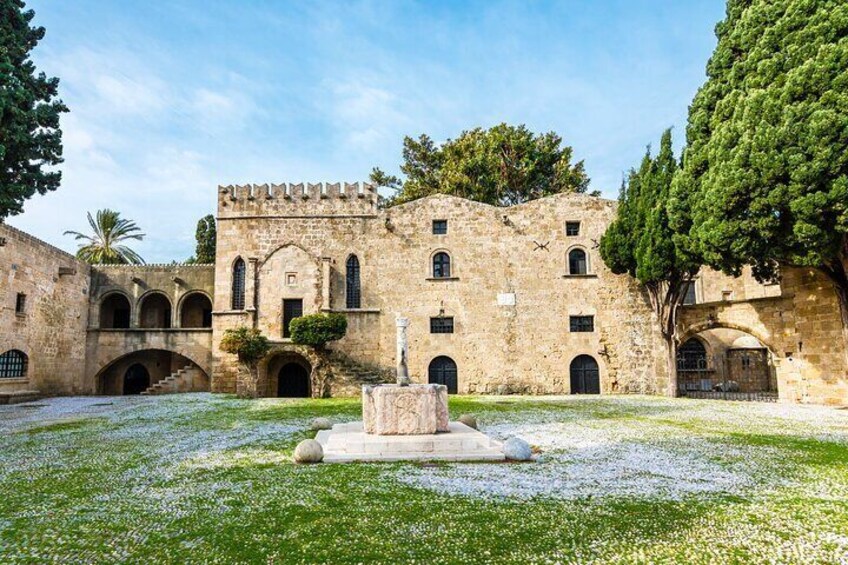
x=291 y=309
x=443 y=372
x=585 y=377
x=136 y=379
x=293 y=381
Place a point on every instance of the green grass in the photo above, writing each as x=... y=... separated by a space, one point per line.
x=208 y=479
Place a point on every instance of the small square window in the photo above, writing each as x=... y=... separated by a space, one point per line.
x=727 y=295
x=440 y=227
x=291 y=279
x=441 y=325
x=20 y=303
x=582 y=323
x=572 y=228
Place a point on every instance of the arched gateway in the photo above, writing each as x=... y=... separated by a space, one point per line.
x=585 y=376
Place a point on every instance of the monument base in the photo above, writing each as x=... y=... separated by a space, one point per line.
x=405 y=410
x=349 y=442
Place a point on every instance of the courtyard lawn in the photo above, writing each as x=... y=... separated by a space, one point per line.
x=208 y=478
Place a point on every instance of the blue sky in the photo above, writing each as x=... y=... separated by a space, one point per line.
x=170 y=99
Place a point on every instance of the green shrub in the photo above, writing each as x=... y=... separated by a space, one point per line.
x=318 y=329
x=248 y=343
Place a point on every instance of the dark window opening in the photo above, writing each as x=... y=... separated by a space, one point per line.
x=577 y=262
x=115 y=312
x=572 y=228
x=353 y=289
x=20 y=303
x=582 y=323
x=441 y=325
x=291 y=309
x=689 y=295
x=441 y=265
x=440 y=227
x=239 y=272
x=13 y=364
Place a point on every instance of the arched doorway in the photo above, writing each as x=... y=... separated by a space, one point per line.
x=585 y=376
x=293 y=381
x=136 y=379
x=443 y=371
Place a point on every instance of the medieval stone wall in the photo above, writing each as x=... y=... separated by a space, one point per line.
x=51 y=328
x=510 y=292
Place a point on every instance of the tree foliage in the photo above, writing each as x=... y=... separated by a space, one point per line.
x=247 y=343
x=30 y=136
x=206 y=236
x=765 y=169
x=641 y=241
x=318 y=329
x=105 y=244
x=503 y=165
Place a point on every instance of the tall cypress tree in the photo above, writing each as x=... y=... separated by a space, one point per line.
x=30 y=137
x=641 y=243
x=765 y=169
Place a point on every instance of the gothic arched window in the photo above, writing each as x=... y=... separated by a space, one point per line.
x=238 y=284
x=354 y=292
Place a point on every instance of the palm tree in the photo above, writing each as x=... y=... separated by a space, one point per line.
x=104 y=247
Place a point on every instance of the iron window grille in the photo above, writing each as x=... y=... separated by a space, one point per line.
x=572 y=228
x=582 y=323
x=440 y=227
x=13 y=364
x=692 y=356
x=238 y=284
x=441 y=265
x=441 y=325
x=353 y=291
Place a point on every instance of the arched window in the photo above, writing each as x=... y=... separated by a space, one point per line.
x=577 y=264
x=196 y=311
x=13 y=364
x=692 y=356
x=238 y=284
x=155 y=311
x=354 y=294
x=441 y=265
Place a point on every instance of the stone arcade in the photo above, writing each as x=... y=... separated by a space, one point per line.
x=498 y=300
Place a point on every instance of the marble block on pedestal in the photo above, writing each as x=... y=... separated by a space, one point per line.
x=405 y=410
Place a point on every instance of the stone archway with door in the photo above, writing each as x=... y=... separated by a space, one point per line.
x=291 y=371
x=136 y=379
x=443 y=371
x=585 y=375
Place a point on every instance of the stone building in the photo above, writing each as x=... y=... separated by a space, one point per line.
x=499 y=300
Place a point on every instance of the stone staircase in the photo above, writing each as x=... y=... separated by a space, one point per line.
x=349 y=375
x=187 y=379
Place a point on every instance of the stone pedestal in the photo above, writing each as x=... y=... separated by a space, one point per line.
x=405 y=410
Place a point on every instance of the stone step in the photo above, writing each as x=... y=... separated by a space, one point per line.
x=19 y=396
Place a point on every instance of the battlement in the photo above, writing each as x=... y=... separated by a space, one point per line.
x=301 y=199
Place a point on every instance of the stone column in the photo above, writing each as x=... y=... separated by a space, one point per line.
x=402 y=355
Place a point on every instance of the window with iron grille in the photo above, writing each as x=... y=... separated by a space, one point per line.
x=441 y=325
x=440 y=227
x=238 y=284
x=572 y=228
x=692 y=356
x=13 y=364
x=582 y=323
x=354 y=294
x=441 y=265
x=20 y=303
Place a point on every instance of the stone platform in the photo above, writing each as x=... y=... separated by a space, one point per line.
x=349 y=442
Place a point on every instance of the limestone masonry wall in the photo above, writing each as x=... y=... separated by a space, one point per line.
x=50 y=330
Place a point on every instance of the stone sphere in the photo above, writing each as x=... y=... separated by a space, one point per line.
x=516 y=449
x=469 y=420
x=321 y=424
x=308 y=451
